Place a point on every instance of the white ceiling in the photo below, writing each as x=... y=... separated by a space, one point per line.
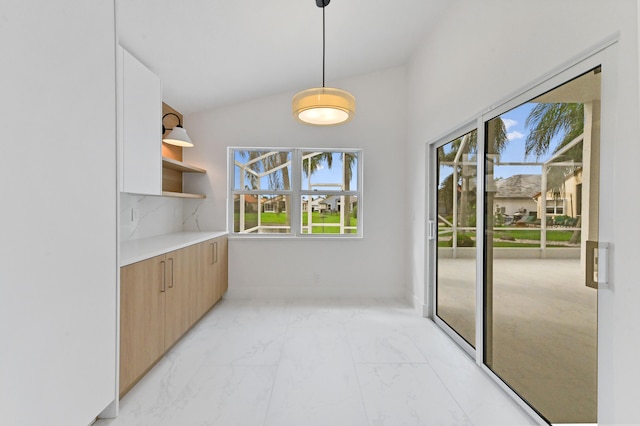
x=210 y=53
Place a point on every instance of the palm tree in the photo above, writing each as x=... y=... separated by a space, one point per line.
x=445 y=196
x=311 y=164
x=545 y=122
x=316 y=160
x=496 y=143
x=349 y=159
x=278 y=180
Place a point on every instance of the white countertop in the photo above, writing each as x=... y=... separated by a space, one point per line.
x=133 y=251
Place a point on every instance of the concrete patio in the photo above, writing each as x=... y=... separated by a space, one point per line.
x=544 y=328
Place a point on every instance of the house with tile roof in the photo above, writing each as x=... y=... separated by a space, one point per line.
x=514 y=196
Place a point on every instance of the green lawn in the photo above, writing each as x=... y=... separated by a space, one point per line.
x=327 y=218
x=508 y=244
x=533 y=234
x=522 y=238
x=552 y=235
x=279 y=219
x=516 y=244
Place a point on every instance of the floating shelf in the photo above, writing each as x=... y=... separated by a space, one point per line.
x=179 y=166
x=172 y=171
x=182 y=195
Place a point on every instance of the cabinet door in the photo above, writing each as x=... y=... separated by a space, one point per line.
x=222 y=267
x=181 y=283
x=205 y=297
x=141 y=131
x=142 y=310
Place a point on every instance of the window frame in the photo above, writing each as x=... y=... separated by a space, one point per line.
x=556 y=204
x=296 y=192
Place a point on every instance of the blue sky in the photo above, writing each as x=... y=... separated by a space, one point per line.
x=514 y=121
x=517 y=134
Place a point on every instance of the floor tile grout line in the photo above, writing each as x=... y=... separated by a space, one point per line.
x=355 y=370
x=443 y=382
x=275 y=376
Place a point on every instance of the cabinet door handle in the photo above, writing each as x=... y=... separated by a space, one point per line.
x=172 y=283
x=164 y=277
x=215 y=258
x=213 y=249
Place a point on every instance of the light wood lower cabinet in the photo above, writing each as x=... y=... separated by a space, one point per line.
x=182 y=278
x=222 y=267
x=161 y=298
x=142 y=315
x=204 y=296
x=213 y=283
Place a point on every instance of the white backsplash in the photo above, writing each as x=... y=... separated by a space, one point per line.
x=199 y=215
x=146 y=216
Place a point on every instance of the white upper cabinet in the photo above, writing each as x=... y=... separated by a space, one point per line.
x=140 y=127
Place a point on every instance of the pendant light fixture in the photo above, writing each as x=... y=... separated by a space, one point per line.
x=323 y=106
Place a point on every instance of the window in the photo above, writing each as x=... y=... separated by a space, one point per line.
x=555 y=206
x=295 y=192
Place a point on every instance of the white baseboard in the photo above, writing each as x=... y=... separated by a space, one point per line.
x=111 y=411
x=420 y=307
x=320 y=291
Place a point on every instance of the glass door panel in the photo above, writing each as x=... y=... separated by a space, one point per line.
x=456 y=254
x=541 y=199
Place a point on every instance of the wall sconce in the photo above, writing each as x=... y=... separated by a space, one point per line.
x=178 y=135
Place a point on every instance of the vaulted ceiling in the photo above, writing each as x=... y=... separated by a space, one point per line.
x=210 y=53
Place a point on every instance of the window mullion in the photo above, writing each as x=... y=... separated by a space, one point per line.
x=296 y=203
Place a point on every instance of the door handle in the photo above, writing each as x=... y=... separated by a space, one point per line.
x=597 y=265
x=215 y=255
x=213 y=249
x=431 y=230
x=164 y=277
x=172 y=283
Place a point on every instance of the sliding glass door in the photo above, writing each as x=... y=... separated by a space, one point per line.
x=513 y=228
x=456 y=227
x=541 y=208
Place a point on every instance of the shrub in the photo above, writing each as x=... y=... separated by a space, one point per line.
x=464 y=240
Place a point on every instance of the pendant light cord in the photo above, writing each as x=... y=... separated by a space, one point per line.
x=323 y=45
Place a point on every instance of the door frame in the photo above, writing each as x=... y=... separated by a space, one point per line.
x=603 y=54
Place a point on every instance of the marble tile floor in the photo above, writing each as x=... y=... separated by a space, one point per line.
x=316 y=362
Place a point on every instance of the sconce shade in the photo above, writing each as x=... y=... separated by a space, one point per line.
x=178 y=136
x=323 y=106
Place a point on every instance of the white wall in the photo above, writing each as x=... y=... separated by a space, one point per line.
x=368 y=267
x=58 y=244
x=482 y=52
